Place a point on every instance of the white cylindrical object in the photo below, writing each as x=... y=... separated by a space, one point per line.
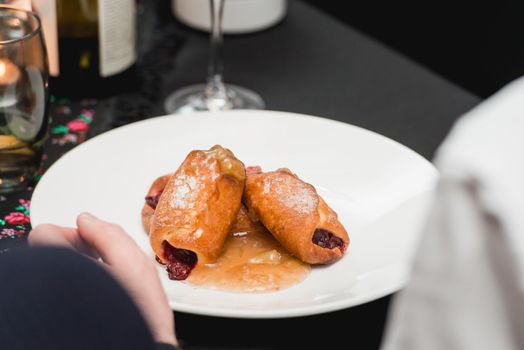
x=240 y=16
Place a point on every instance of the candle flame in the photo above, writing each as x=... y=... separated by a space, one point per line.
x=9 y=73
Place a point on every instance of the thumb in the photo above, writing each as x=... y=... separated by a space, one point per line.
x=110 y=241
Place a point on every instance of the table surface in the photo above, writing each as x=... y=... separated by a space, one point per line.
x=309 y=63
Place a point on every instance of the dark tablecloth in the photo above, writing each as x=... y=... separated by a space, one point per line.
x=309 y=63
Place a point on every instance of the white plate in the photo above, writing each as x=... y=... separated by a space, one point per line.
x=380 y=189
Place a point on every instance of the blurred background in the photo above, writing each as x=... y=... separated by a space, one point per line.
x=476 y=44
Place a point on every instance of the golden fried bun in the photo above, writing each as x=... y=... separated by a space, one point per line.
x=151 y=200
x=296 y=215
x=196 y=209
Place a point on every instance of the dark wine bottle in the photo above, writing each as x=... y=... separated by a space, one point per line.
x=92 y=53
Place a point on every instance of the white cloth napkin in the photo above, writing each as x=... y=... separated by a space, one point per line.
x=467 y=284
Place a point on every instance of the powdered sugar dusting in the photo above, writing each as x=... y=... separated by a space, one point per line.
x=185 y=192
x=198 y=232
x=192 y=182
x=293 y=193
x=188 y=188
x=267 y=186
x=211 y=164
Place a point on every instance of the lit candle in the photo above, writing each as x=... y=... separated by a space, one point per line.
x=9 y=76
x=9 y=72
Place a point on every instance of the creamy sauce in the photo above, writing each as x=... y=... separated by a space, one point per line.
x=251 y=261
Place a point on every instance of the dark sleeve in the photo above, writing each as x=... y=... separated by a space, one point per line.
x=164 y=346
x=54 y=298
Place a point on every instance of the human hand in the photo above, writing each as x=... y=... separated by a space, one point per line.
x=123 y=259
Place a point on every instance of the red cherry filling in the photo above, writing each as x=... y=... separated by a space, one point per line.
x=180 y=262
x=152 y=201
x=326 y=239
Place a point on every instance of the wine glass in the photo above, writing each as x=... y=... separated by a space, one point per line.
x=24 y=97
x=214 y=95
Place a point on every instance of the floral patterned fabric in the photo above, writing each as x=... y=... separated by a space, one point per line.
x=70 y=125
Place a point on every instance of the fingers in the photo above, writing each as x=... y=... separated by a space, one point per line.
x=131 y=267
x=54 y=235
x=110 y=241
x=48 y=234
x=94 y=237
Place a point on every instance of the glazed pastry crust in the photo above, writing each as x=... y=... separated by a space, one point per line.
x=242 y=222
x=292 y=210
x=147 y=211
x=199 y=204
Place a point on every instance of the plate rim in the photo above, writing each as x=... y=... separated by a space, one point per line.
x=239 y=111
x=288 y=313
x=260 y=313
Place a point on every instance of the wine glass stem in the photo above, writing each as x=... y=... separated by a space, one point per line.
x=215 y=88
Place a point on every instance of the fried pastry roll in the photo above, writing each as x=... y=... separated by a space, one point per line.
x=151 y=200
x=196 y=209
x=296 y=215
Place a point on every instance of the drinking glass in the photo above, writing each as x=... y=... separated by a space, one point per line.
x=214 y=95
x=24 y=97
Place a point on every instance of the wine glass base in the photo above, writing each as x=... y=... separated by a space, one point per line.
x=191 y=99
